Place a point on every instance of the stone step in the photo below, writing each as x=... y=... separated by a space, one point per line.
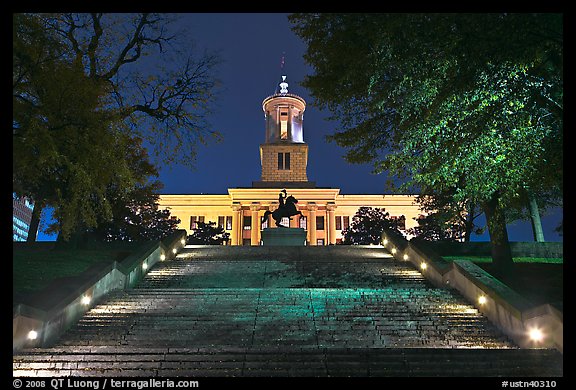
x=254 y=311
x=166 y=362
x=280 y=316
x=309 y=273
x=265 y=253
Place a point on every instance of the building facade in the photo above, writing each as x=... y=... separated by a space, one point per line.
x=284 y=157
x=21 y=217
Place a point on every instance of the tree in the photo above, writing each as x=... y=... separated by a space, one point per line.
x=469 y=103
x=137 y=217
x=83 y=92
x=367 y=226
x=208 y=234
x=65 y=150
x=444 y=219
x=165 y=100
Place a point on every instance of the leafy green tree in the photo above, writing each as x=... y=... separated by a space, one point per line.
x=65 y=150
x=464 y=103
x=207 y=233
x=444 y=219
x=367 y=226
x=84 y=89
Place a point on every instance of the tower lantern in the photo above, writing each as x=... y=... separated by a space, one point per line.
x=284 y=114
x=284 y=154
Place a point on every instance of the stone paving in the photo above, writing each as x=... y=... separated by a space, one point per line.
x=255 y=313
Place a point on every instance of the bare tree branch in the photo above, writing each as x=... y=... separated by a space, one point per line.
x=94 y=41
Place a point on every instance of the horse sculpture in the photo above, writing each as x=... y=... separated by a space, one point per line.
x=287 y=209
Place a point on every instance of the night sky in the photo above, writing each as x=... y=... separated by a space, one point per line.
x=251 y=46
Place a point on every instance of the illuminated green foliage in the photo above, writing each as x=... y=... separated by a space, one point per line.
x=468 y=104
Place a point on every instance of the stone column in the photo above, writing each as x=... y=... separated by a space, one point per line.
x=273 y=207
x=236 y=224
x=289 y=126
x=255 y=228
x=312 y=207
x=295 y=221
x=331 y=207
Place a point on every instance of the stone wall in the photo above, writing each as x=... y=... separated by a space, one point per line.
x=54 y=309
x=298 y=162
x=511 y=313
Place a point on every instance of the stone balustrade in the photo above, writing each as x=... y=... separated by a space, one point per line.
x=510 y=312
x=50 y=312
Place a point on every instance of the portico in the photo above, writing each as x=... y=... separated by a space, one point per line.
x=326 y=212
x=284 y=157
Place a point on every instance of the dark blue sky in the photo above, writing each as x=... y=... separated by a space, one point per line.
x=251 y=46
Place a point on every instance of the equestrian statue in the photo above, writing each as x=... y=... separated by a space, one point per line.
x=286 y=208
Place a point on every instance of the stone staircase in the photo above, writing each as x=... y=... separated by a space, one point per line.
x=258 y=311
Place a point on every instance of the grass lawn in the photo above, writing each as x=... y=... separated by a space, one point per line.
x=34 y=269
x=540 y=280
x=517 y=260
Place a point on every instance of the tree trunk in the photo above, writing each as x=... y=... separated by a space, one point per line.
x=501 y=252
x=34 y=222
x=535 y=218
x=469 y=223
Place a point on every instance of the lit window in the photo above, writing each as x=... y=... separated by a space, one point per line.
x=338 y=223
x=247 y=222
x=229 y=222
x=399 y=221
x=303 y=223
x=284 y=125
x=194 y=222
x=345 y=222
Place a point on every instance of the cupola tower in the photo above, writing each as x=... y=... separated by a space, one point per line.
x=284 y=154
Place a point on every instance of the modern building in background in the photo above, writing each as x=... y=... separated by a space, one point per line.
x=284 y=157
x=21 y=217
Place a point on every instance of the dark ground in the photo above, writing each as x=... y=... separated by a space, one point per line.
x=538 y=282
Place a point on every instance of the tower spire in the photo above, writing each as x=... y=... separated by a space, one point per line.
x=282 y=61
x=283 y=75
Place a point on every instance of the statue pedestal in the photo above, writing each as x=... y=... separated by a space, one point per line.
x=284 y=237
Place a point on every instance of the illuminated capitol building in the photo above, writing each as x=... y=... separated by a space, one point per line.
x=284 y=156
